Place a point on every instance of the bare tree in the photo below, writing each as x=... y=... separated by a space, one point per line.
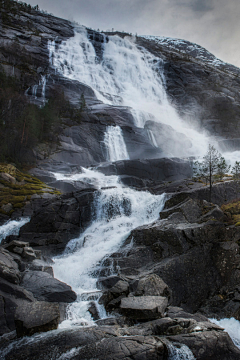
x=212 y=166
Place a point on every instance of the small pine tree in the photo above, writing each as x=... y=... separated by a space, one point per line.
x=236 y=170
x=82 y=103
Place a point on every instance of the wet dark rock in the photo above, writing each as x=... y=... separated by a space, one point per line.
x=56 y=222
x=143 y=307
x=108 y=282
x=39 y=316
x=151 y=285
x=46 y=288
x=92 y=309
x=16 y=291
x=221 y=193
x=164 y=169
x=208 y=345
x=8 y=267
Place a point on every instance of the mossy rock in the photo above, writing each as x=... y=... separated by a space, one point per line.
x=18 y=194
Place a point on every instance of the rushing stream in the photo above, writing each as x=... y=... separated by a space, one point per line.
x=116 y=211
x=12 y=227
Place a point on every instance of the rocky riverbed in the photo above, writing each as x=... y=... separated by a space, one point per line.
x=171 y=276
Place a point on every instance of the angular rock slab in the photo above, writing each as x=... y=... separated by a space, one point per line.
x=46 y=288
x=39 y=316
x=144 y=307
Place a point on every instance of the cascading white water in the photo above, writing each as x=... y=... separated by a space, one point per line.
x=180 y=352
x=117 y=210
x=232 y=327
x=34 y=91
x=152 y=138
x=51 y=50
x=126 y=75
x=115 y=145
x=43 y=82
x=12 y=227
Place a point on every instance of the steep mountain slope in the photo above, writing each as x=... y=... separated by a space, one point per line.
x=204 y=90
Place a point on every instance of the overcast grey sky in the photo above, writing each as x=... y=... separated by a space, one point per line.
x=213 y=24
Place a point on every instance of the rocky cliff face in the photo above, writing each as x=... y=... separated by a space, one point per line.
x=204 y=90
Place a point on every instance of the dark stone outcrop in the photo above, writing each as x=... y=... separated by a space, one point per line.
x=143 y=307
x=31 y=299
x=46 y=288
x=164 y=169
x=35 y=317
x=157 y=339
x=56 y=222
x=193 y=251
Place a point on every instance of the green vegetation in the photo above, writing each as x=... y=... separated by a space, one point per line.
x=11 y=8
x=236 y=170
x=232 y=210
x=16 y=188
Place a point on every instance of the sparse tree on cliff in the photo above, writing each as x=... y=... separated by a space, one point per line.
x=213 y=165
x=236 y=170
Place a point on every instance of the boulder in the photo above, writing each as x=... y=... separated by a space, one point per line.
x=46 y=288
x=150 y=285
x=39 y=316
x=209 y=345
x=8 y=267
x=143 y=307
x=56 y=222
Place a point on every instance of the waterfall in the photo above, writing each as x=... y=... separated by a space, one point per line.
x=126 y=75
x=34 y=91
x=12 y=227
x=117 y=210
x=152 y=138
x=115 y=145
x=43 y=82
x=179 y=352
x=51 y=50
x=232 y=327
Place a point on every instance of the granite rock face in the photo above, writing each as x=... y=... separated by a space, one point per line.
x=59 y=221
x=22 y=288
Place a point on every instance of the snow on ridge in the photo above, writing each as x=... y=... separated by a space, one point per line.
x=187 y=47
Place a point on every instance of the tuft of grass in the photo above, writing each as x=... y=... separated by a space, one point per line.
x=19 y=193
x=232 y=210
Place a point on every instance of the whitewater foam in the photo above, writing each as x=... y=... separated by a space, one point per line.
x=116 y=212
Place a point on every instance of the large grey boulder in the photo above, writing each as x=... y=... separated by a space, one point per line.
x=38 y=316
x=56 y=222
x=151 y=285
x=143 y=307
x=8 y=267
x=46 y=288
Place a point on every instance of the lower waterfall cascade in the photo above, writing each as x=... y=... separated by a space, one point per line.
x=116 y=211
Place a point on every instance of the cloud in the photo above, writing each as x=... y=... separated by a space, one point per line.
x=213 y=24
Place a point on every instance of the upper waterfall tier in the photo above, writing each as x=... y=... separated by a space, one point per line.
x=124 y=74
